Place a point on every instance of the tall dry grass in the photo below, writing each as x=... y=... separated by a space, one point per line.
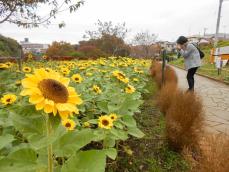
x=215 y=154
x=184 y=120
x=184 y=125
x=165 y=96
x=155 y=68
x=184 y=113
x=169 y=76
x=213 y=157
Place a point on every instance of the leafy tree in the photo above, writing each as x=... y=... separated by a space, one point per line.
x=113 y=45
x=60 y=49
x=109 y=38
x=9 y=47
x=145 y=40
x=110 y=45
x=25 y=12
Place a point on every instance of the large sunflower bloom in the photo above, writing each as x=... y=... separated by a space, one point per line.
x=137 y=70
x=130 y=89
x=8 y=99
x=105 y=122
x=77 y=78
x=3 y=66
x=120 y=76
x=68 y=124
x=65 y=71
x=27 y=69
x=113 y=116
x=50 y=91
x=97 y=89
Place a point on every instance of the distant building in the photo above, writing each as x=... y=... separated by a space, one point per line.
x=221 y=36
x=35 y=48
x=140 y=51
x=200 y=40
x=208 y=38
x=170 y=46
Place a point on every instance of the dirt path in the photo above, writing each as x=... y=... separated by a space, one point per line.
x=215 y=98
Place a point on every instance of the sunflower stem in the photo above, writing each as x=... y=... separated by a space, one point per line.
x=49 y=131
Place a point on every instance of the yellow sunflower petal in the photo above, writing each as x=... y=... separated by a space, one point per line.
x=71 y=91
x=54 y=110
x=41 y=73
x=65 y=81
x=49 y=102
x=26 y=92
x=64 y=114
x=40 y=105
x=75 y=100
x=66 y=107
x=31 y=91
x=48 y=108
x=27 y=83
x=34 y=99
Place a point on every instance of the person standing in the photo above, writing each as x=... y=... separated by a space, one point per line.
x=192 y=59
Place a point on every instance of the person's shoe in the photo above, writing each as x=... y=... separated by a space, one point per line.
x=190 y=91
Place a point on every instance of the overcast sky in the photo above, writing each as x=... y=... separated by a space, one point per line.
x=166 y=18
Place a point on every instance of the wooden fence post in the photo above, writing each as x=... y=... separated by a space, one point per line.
x=163 y=65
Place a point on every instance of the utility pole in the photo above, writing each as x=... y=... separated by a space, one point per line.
x=218 y=23
x=224 y=27
x=205 y=29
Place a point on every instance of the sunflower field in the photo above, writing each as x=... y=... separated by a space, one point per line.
x=68 y=116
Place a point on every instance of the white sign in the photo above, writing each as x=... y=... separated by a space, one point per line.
x=222 y=50
x=218 y=62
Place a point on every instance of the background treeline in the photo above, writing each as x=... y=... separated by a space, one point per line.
x=106 y=40
x=9 y=47
x=107 y=45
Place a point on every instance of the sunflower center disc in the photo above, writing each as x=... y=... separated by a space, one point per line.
x=121 y=76
x=53 y=90
x=67 y=125
x=105 y=122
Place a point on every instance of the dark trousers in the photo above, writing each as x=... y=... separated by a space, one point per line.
x=190 y=78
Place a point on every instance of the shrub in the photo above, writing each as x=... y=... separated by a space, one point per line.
x=77 y=54
x=166 y=96
x=91 y=51
x=184 y=120
x=9 y=47
x=58 y=49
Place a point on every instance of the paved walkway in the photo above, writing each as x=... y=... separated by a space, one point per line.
x=215 y=98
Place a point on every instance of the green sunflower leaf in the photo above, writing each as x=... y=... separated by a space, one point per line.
x=86 y=161
x=134 y=131
x=72 y=141
x=6 y=140
x=111 y=153
x=21 y=160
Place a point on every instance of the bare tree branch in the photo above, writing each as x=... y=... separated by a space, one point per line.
x=24 y=12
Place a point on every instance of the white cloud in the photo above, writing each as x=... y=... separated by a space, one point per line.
x=167 y=18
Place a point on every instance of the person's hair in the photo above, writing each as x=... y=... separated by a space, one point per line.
x=182 y=40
